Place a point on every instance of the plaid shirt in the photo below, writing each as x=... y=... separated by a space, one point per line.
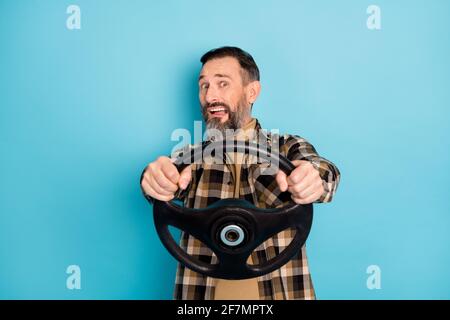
x=212 y=182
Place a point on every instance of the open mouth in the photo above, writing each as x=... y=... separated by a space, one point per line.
x=217 y=111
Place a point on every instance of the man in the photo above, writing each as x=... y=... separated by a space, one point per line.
x=228 y=86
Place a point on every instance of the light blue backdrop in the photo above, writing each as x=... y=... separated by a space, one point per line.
x=83 y=111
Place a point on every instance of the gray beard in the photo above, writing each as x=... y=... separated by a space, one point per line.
x=214 y=128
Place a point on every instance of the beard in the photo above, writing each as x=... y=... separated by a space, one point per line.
x=234 y=122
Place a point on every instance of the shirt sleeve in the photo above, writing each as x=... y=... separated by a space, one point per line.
x=298 y=148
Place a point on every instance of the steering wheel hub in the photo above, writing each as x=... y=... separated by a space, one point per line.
x=232 y=235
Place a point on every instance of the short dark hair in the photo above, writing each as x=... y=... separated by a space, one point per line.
x=245 y=60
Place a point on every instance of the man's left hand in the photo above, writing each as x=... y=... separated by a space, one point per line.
x=304 y=182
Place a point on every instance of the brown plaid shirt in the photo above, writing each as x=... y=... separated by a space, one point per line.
x=212 y=182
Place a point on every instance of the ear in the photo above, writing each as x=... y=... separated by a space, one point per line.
x=252 y=91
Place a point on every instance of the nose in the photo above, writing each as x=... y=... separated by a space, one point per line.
x=211 y=95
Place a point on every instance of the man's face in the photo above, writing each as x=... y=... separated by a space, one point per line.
x=223 y=94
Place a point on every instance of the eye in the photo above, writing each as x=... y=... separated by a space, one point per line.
x=204 y=86
x=223 y=84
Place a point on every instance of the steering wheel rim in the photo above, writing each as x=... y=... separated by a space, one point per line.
x=259 y=224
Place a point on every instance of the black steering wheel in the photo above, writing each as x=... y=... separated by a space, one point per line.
x=233 y=228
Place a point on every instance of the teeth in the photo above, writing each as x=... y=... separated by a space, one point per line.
x=215 y=109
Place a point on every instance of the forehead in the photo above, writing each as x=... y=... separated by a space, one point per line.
x=225 y=66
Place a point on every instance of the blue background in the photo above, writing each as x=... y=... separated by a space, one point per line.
x=83 y=111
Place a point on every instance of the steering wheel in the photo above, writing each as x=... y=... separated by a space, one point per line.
x=233 y=228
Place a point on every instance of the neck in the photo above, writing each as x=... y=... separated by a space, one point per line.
x=246 y=121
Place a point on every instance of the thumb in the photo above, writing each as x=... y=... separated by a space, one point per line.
x=185 y=177
x=281 y=180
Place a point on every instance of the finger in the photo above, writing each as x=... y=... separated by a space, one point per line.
x=147 y=173
x=147 y=188
x=315 y=196
x=157 y=196
x=311 y=189
x=158 y=189
x=297 y=162
x=146 y=176
x=281 y=180
x=170 y=171
x=185 y=177
x=163 y=181
x=298 y=174
x=312 y=198
x=305 y=183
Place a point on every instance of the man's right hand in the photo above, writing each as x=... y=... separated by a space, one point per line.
x=161 y=179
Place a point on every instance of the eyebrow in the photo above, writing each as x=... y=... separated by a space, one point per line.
x=219 y=75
